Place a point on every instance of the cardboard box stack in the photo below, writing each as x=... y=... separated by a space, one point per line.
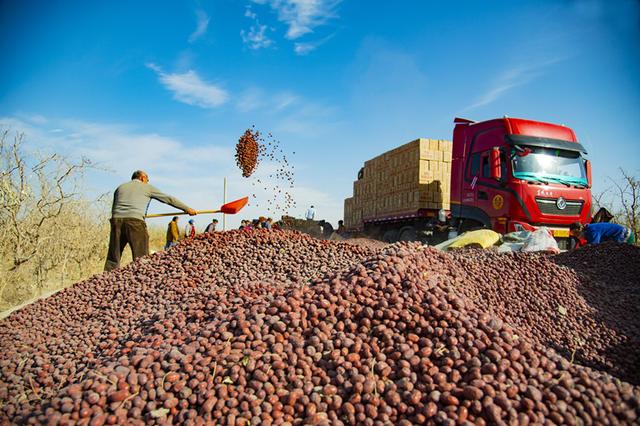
x=414 y=176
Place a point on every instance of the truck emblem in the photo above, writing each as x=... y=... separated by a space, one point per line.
x=561 y=203
x=497 y=202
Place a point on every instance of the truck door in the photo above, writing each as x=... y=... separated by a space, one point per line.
x=478 y=188
x=491 y=196
x=472 y=217
x=471 y=176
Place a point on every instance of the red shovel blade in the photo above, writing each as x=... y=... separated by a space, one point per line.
x=234 y=207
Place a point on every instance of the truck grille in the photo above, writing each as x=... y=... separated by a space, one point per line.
x=549 y=206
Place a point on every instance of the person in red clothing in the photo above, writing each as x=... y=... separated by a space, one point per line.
x=190 y=229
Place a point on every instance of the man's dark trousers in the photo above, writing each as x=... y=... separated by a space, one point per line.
x=126 y=231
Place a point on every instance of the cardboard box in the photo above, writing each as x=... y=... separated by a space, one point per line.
x=410 y=177
x=431 y=155
x=426 y=176
x=445 y=146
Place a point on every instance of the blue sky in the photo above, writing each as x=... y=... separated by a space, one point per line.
x=170 y=86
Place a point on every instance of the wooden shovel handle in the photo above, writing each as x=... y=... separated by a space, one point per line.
x=232 y=207
x=181 y=213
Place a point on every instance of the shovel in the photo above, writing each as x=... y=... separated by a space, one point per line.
x=232 y=207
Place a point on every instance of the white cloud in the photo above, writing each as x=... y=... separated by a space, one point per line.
x=250 y=100
x=193 y=173
x=189 y=88
x=201 y=26
x=256 y=37
x=510 y=79
x=123 y=148
x=255 y=98
x=35 y=118
x=283 y=100
x=302 y=16
x=304 y=48
x=250 y=13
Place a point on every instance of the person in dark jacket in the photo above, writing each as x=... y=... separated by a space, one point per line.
x=130 y=203
x=595 y=233
x=327 y=228
x=212 y=226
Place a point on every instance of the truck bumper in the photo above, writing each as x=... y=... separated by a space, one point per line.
x=556 y=231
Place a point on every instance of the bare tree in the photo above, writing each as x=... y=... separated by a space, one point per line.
x=45 y=223
x=599 y=199
x=628 y=196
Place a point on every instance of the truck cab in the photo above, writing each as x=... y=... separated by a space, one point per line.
x=512 y=174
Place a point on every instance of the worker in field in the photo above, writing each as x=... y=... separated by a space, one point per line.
x=327 y=228
x=130 y=203
x=190 y=229
x=310 y=214
x=263 y=223
x=596 y=233
x=212 y=226
x=173 y=233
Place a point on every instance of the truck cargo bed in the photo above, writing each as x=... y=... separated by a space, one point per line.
x=407 y=181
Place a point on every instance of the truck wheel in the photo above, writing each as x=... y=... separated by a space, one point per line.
x=565 y=243
x=390 y=236
x=469 y=225
x=408 y=233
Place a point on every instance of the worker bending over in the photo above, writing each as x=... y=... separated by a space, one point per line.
x=130 y=202
x=595 y=233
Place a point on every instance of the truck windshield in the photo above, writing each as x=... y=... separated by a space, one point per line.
x=548 y=164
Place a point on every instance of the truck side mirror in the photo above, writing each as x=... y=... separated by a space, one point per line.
x=495 y=166
x=587 y=166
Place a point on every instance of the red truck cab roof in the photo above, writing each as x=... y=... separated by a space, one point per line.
x=518 y=130
x=521 y=126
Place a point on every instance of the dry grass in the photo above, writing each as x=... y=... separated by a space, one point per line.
x=51 y=235
x=21 y=287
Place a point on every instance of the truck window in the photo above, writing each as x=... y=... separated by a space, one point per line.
x=475 y=164
x=486 y=171
x=485 y=166
x=503 y=165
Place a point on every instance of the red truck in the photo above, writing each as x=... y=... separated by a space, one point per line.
x=506 y=174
